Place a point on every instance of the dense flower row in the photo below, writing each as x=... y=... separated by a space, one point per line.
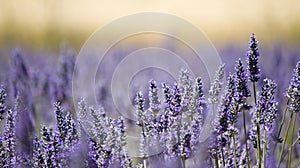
x=246 y=131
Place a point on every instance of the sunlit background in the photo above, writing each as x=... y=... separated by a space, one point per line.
x=44 y=25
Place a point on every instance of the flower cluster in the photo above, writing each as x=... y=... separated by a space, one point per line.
x=177 y=122
x=170 y=126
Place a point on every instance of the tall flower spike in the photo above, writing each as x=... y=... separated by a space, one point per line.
x=140 y=108
x=252 y=58
x=10 y=138
x=153 y=98
x=59 y=119
x=267 y=106
x=2 y=103
x=229 y=100
x=241 y=82
x=167 y=95
x=176 y=101
x=199 y=96
x=216 y=86
x=293 y=91
x=186 y=86
x=197 y=104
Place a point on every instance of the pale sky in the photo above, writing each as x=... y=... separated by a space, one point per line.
x=220 y=20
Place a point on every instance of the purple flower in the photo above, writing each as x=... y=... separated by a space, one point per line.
x=266 y=105
x=167 y=96
x=2 y=102
x=154 y=101
x=37 y=156
x=59 y=119
x=252 y=59
x=242 y=90
x=140 y=111
x=8 y=141
x=176 y=102
x=186 y=87
x=216 y=86
x=226 y=114
x=293 y=91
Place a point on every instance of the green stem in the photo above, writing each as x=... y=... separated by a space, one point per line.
x=145 y=163
x=281 y=124
x=245 y=131
x=291 y=143
x=144 y=158
x=285 y=138
x=265 y=148
x=223 y=158
x=295 y=142
x=234 y=151
x=217 y=160
x=228 y=145
x=257 y=129
x=183 y=162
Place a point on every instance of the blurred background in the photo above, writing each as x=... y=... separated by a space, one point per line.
x=44 y=25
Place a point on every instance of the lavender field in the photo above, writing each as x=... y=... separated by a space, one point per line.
x=255 y=96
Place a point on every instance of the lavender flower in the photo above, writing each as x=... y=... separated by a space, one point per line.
x=140 y=109
x=176 y=102
x=37 y=158
x=253 y=134
x=123 y=156
x=197 y=103
x=99 y=154
x=154 y=101
x=154 y=108
x=197 y=108
x=266 y=106
x=186 y=87
x=293 y=91
x=216 y=86
x=9 y=138
x=48 y=148
x=167 y=96
x=59 y=119
x=70 y=132
x=2 y=103
x=252 y=59
x=2 y=152
x=242 y=90
x=227 y=115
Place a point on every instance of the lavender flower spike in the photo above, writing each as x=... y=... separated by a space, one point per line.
x=252 y=58
x=154 y=101
x=140 y=109
x=267 y=106
x=293 y=91
x=216 y=86
x=241 y=82
x=2 y=103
